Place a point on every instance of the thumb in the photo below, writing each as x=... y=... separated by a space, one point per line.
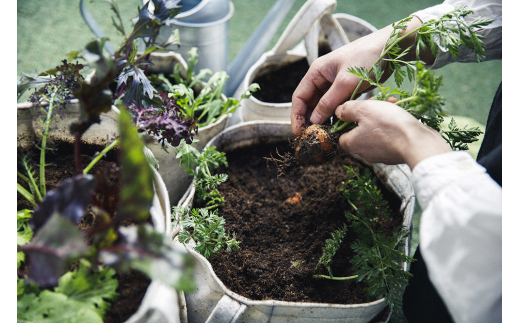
x=350 y=111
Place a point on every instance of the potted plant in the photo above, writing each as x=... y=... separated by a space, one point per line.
x=199 y=100
x=283 y=205
x=199 y=95
x=279 y=70
x=49 y=240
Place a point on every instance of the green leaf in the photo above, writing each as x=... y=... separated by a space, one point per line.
x=95 y=289
x=137 y=193
x=53 y=308
x=24 y=232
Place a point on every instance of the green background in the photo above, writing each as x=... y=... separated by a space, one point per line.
x=47 y=30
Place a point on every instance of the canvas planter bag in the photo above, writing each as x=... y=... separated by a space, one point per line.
x=311 y=26
x=212 y=301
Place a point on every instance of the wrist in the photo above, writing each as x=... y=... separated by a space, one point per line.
x=421 y=143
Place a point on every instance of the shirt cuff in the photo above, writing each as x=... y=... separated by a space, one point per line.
x=436 y=172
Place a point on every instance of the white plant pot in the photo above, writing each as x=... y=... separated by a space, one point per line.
x=335 y=26
x=214 y=302
x=30 y=127
x=161 y=303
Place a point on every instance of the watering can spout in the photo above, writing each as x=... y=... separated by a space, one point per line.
x=256 y=44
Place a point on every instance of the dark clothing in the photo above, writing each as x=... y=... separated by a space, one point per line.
x=421 y=302
x=490 y=153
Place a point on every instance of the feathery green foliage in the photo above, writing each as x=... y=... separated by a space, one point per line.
x=204 y=225
x=379 y=260
x=449 y=33
x=206 y=228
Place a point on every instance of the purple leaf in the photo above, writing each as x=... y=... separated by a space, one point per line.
x=48 y=253
x=70 y=199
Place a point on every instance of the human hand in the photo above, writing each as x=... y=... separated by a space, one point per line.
x=328 y=83
x=385 y=133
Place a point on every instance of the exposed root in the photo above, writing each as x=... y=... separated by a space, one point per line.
x=314 y=146
x=284 y=164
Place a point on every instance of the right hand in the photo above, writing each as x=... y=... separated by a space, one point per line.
x=386 y=133
x=328 y=84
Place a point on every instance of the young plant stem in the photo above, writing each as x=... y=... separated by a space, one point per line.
x=30 y=180
x=336 y=278
x=43 y=148
x=26 y=194
x=100 y=155
x=343 y=126
x=380 y=257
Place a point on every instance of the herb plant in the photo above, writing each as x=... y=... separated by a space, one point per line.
x=207 y=107
x=378 y=261
x=204 y=225
x=50 y=99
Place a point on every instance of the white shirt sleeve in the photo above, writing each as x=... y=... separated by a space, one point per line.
x=461 y=234
x=492 y=33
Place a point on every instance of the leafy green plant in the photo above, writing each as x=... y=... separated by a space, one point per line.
x=80 y=293
x=49 y=241
x=378 y=261
x=207 y=107
x=206 y=228
x=425 y=103
x=204 y=225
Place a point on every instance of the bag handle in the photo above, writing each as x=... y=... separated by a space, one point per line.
x=227 y=310
x=306 y=24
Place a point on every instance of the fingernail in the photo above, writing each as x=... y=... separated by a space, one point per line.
x=316 y=117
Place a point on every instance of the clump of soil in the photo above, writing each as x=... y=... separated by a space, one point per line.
x=282 y=223
x=132 y=285
x=315 y=145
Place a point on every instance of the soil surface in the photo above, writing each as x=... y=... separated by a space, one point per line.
x=131 y=285
x=282 y=223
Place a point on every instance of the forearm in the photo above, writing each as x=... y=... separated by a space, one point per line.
x=460 y=234
x=492 y=34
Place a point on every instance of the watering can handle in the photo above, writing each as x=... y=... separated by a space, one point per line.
x=227 y=310
x=306 y=25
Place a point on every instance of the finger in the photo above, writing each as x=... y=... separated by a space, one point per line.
x=336 y=95
x=349 y=111
x=305 y=98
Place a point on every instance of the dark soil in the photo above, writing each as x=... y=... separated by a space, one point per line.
x=282 y=223
x=131 y=285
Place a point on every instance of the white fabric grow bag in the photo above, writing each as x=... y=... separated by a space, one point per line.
x=214 y=302
x=161 y=303
x=29 y=127
x=315 y=15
